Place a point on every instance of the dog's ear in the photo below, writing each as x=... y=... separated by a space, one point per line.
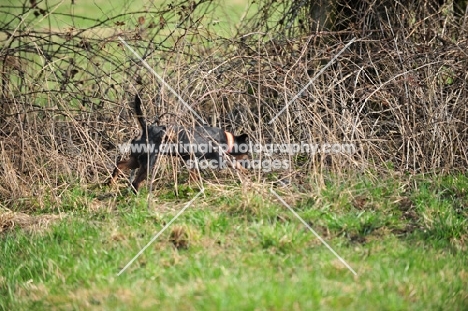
x=138 y=111
x=137 y=100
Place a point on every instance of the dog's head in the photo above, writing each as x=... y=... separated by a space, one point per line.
x=237 y=145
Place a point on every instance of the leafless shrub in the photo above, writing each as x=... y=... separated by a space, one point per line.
x=398 y=93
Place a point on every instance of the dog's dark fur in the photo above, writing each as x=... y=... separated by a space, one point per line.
x=158 y=135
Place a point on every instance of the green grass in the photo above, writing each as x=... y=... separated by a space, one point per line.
x=239 y=249
x=61 y=15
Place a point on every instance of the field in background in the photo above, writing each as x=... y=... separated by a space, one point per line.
x=63 y=15
x=396 y=210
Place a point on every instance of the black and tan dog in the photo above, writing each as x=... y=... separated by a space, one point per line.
x=200 y=143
